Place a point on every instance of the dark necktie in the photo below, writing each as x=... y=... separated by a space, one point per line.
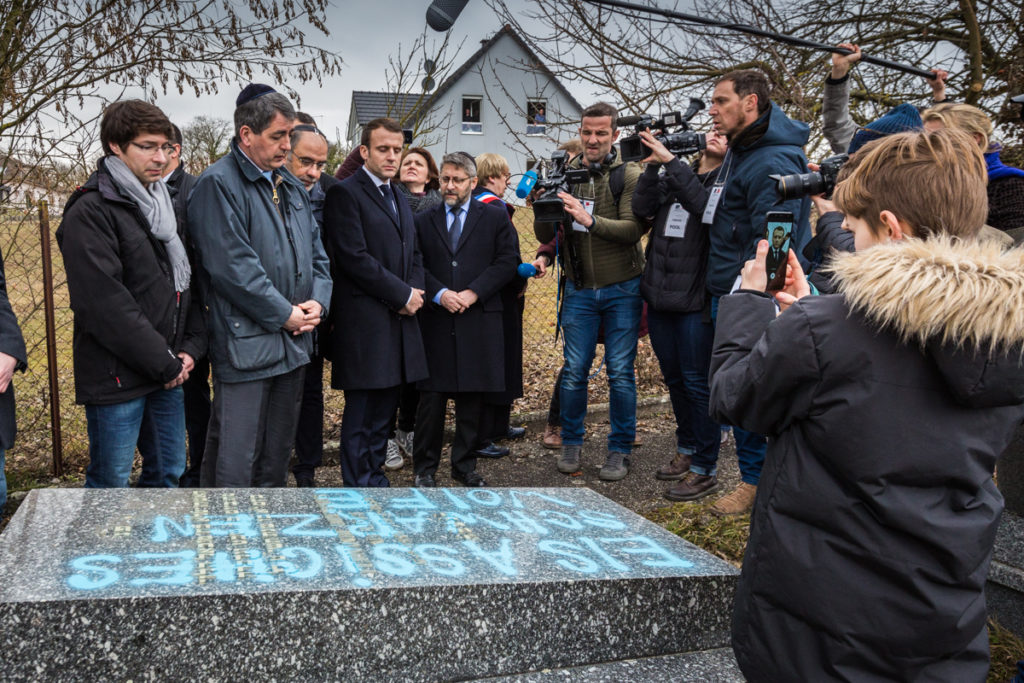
x=389 y=198
x=455 y=232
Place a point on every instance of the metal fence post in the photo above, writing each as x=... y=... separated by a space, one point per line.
x=51 y=340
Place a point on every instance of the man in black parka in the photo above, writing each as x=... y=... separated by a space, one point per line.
x=468 y=256
x=136 y=334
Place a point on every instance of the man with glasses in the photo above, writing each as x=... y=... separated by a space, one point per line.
x=197 y=387
x=136 y=333
x=375 y=344
x=306 y=161
x=267 y=285
x=469 y=254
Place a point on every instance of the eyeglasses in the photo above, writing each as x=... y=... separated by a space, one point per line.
x=306 y=162
x=449 y=180
x=150 y=149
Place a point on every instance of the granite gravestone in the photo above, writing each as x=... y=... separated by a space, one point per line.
x=346 y=583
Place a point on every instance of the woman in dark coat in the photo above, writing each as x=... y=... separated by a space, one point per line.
x=886 y=406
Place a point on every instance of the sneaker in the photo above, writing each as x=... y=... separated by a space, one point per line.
x=676 y=469
x=693 y=486
x=569 y=460
x=404 y=441
x=725 y=435
x=394 y=459
x=616 y=467
x=739 y=502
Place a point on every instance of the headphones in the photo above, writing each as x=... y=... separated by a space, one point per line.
x=595 y=167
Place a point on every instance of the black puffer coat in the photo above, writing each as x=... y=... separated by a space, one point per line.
x=885 y=408
x=675 y=273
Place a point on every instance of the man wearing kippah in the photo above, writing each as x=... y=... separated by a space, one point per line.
x=267 y=285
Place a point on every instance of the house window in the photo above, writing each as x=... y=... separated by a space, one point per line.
x=536 y=117
x=471 y=115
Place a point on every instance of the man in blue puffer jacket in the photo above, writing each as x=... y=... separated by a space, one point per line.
x=763 y=142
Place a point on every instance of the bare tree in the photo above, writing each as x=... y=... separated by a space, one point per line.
x=205 y=139
x=653 y=64
x=406 y=77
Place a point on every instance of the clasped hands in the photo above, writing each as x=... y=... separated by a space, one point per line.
x=458 y=302
x=304 y=317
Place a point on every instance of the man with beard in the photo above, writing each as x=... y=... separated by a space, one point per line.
x=468 y=256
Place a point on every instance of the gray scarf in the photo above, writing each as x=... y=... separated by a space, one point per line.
x=155 y=203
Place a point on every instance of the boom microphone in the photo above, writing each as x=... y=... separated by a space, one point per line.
x=442 y=13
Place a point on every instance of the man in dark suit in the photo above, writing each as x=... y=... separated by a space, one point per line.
x=306 y=161
x=468 y=256
x=196 y=388
x=776 y=254
x=375 y=343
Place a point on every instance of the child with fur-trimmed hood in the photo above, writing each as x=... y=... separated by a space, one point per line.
x=886 y=406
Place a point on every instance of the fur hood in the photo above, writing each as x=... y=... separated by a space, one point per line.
x=953 y=298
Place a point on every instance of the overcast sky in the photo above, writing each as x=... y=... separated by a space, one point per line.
x=364 y=34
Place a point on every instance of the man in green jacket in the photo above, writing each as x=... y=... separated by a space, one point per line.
x=602 y=258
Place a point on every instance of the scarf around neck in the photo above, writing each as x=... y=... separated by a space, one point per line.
x=155 y=203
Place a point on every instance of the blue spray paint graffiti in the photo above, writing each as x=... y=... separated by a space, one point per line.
x=360 y=540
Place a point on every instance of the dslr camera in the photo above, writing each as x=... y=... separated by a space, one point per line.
x=683 y=141
x=555 y=177
x=798 y=185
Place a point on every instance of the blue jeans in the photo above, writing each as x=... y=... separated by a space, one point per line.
x=617 y=309
x=154 y=422
x=750 y=447
x=682 y=342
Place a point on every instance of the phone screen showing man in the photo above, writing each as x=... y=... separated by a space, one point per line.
x=778 y=232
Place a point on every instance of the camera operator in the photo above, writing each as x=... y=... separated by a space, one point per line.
x=602 y=288
x=678 y=307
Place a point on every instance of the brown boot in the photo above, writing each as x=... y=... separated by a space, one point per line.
x=693 y=486
x=552 y=437
x=738 y=502
x=676 y=469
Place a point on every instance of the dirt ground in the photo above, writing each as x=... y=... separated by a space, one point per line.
x=530 y=464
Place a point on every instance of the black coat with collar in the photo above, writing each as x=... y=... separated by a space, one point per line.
x=465 y=351
x=376 y=263
x=128 y=320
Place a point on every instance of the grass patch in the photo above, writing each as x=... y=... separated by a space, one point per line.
x=724 y=537
x=1006 y=649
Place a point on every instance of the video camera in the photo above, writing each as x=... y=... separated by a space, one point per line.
x=799 y=185
x=680 y=143
x=555 y=177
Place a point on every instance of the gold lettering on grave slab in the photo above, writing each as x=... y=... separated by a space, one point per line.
x=204 y=540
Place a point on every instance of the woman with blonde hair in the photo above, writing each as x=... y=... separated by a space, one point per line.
x=1005 y=183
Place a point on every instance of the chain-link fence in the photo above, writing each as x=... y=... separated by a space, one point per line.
x=21 y=242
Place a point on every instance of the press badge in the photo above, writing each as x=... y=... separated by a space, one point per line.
x=588 y=206
x=709 y=208
x=678 y=217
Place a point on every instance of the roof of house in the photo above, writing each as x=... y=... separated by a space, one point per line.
x=374 y=105
x=371 y=105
